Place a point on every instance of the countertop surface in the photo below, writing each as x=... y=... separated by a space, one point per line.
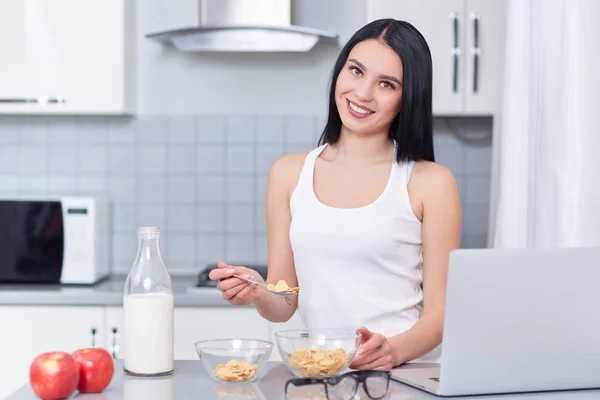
x=191 y=382
x=105 y=293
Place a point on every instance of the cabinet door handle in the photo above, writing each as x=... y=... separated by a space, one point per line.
x=476 y=51
x=455 y=50
x=33 y=100
x=93 y=337
x=114 y=345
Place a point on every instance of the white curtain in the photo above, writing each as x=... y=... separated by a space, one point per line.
x=546 y=147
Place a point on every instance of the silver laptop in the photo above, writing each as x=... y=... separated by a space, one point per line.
x=517 y=320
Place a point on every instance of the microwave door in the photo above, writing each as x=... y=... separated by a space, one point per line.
x=32 y=239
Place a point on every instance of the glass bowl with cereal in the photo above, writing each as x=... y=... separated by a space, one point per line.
x=234 y=360
x=317 y=353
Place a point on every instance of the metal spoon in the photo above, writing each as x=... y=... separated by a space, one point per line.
x=282 y=294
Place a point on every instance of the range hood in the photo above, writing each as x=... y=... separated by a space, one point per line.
x=243 y=26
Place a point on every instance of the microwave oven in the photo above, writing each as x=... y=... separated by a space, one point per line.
x=63 y=240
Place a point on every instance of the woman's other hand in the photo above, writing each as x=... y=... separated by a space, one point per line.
x=234 y=290
x=374 y=353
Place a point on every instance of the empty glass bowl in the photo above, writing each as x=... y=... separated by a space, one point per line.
x=317 y=353
x=234 y=360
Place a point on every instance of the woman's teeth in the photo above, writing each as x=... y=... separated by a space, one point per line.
x=358 y=109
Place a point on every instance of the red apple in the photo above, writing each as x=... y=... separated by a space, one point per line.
x=96 y=369
x=54 y=375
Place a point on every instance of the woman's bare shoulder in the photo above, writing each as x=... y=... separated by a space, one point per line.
x=428 y=174
x=433 y=186
x=433 y=178
x=285 y=171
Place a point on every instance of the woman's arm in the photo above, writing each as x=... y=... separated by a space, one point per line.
x=433 y=191
x=282 y=180
x=441 y=217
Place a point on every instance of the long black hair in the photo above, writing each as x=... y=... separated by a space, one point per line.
x=412 y=128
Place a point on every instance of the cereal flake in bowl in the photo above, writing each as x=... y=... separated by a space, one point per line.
x=317 y=353
x=234 y=360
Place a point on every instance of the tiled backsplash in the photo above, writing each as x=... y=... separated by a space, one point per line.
x=201 y=179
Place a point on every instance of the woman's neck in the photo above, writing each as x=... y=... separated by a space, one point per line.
x=360 y=149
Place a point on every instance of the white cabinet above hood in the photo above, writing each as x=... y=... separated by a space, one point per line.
x=243 y=26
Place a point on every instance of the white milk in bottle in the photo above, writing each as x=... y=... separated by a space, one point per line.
x=148 y=311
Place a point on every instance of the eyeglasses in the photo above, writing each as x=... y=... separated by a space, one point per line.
x=342 y=387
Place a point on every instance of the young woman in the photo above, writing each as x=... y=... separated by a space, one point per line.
x=364 y=223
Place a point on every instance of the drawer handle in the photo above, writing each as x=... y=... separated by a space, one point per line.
x=43 y=100
x=94 y=337
x=114 y=345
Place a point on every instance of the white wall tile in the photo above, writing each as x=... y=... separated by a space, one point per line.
x=151 y=159
x=182 y=129
x=122 y=159
x=63 y=158
x=181 y=189
x=93 y=158
x=270 y=129
x=240 y=159
x=181 y=158
x=210 y=159
x=240 y=189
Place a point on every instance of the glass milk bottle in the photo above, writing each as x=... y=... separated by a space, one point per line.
x=148 y=308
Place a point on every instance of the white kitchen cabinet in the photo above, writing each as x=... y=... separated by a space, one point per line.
x=293 y=323
x=465 y=39
x=27 y=331
x=79 y=52
x=199 y=323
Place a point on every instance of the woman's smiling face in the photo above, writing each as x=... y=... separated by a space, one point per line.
x=369 y=88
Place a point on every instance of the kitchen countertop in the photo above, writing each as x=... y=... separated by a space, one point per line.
x=105 y=293
x=190 y=381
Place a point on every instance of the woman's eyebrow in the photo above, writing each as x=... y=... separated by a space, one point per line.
x=388 y=77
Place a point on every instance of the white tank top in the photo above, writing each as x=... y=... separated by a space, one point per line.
x=358 y=266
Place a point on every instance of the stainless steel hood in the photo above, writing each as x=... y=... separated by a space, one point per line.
x=243 y=26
